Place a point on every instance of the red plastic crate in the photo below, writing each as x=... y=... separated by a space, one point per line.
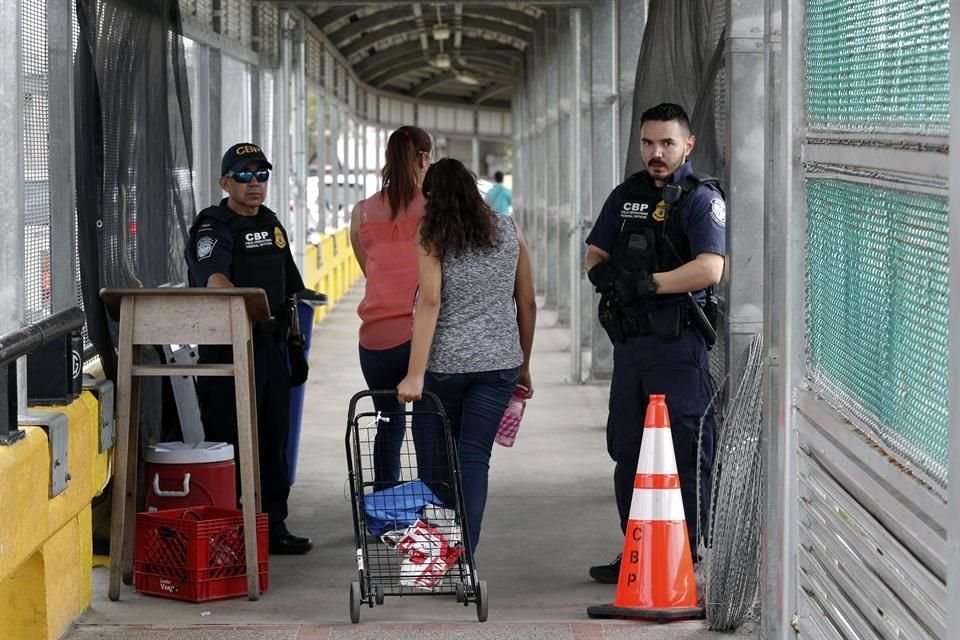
x=196 y=554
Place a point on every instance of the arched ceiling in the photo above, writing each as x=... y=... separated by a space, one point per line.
x=394 y=46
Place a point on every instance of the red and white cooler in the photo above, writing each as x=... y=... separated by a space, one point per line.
x=180 y=475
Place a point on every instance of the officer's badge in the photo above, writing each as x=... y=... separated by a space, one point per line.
x=278 y=238
x=660 y=212
x=205 y=247
x=718 y=211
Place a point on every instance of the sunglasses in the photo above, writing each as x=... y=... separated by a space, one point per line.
x=244 y=177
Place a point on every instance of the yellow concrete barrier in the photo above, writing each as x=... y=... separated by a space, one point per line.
x=46 y=543
x=330 y=268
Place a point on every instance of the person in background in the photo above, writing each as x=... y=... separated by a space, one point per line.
x=499 y=197
x=241 y=243
x=383 y=232
x=472 y=331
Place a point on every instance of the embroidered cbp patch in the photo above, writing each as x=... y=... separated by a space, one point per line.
x=718 y=211
x=205 y=247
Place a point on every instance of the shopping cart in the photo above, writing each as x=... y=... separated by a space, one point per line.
x=397 y=557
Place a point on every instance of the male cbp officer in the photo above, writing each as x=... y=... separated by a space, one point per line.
x=241 y=243
x=645 y=254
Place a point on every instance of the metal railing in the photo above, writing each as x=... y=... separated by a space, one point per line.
x=15 y=345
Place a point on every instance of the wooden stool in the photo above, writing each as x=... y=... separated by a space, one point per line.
x=182 y=316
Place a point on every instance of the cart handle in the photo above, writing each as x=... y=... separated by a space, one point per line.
x=370 y=393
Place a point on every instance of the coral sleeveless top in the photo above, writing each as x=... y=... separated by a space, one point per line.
x=386 y=310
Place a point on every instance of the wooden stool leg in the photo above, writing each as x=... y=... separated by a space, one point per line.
x=245 y=390
x=121 y=455
x=117 y=516
x=130 y=497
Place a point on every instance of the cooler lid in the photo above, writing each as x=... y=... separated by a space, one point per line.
x=187 y=453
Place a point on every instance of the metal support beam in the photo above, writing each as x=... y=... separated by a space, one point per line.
x=552 y=138
x=538 y=121
x=490 y=92
x=203 y=164
x=298 y=112
x=321 y=133
x=215 y=146
x=338 y=140
x=783 y=308
x=606 y=162
x=492 y=3
x=11 y=180
x=953 y=523
x=281 y=119
x=746 y=170
x=60 y=157
x=475 y=154
x=364 y=158
x=562 y=166
x=414 y=26
x=432 y=83
x=256 y=106
x=357 y=163
x=576 y=196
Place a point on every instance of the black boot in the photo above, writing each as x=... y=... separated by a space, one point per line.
x=284 y=543
x=606 y=573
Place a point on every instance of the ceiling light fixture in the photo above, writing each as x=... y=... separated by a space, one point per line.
x=441 y=61
x=441 y=32
x=466 y=78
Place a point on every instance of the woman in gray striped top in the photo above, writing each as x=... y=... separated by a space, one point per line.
x=472 y=329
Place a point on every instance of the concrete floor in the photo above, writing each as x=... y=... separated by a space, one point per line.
x=550 y=515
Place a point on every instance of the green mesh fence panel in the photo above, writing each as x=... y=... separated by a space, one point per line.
x=878 y=65
x=877 y=312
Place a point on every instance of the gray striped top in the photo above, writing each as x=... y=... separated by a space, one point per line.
x=477 y=326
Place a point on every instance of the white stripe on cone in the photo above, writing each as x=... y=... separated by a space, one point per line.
x=656 y=453
x=656 y=504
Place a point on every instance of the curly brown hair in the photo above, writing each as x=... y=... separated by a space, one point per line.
x=457 y=219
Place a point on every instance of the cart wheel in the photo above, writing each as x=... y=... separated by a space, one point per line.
x=354 y=602
x=378 y=593
x=461 y=593
x=482 y=601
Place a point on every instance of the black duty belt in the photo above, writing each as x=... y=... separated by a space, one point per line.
x=639 y=324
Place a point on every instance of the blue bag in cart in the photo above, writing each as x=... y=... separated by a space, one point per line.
x=396 y=508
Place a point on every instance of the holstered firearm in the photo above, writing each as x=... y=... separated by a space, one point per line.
x=609 y=317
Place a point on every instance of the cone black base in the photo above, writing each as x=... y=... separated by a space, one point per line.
x=657 y=615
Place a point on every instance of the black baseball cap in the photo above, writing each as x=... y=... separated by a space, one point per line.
x=240 y=155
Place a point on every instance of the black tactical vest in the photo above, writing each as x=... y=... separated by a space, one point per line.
x=259 y=252
x=645 y=229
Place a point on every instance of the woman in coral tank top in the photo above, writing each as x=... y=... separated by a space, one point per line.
x=383 y=231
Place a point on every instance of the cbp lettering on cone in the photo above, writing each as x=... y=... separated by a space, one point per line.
x=654 y=254
x=241 y=243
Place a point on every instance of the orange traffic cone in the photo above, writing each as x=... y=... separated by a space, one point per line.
x=656 y=570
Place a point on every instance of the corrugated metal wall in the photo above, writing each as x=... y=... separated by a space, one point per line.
x=873 y=425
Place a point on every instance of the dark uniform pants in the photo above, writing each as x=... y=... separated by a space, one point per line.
x=679 y=369
x=219 y=415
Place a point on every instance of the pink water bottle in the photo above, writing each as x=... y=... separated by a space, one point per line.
x=510 y=422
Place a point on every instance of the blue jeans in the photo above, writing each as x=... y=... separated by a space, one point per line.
x=384 y=369
x=474 y=404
